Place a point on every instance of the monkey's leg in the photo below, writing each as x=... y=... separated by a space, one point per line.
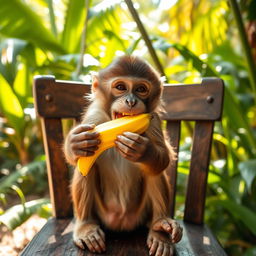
x=90 y=235
x=163 y=230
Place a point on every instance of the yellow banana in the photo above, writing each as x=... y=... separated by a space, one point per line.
x=108 y=133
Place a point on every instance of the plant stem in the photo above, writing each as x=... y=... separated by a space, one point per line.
x=52 y=17
x=145 y=37
x=83 y=41
x=245 y=45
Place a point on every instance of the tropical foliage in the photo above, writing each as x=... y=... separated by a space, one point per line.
x=192 y=39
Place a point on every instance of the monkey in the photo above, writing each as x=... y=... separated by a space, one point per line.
x=127 y=186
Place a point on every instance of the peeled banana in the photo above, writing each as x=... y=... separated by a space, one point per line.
x=108 y=134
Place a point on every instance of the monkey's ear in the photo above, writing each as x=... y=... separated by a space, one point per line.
x=95 y=82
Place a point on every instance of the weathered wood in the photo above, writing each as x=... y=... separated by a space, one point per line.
x=173 y=128
x=55 y=238
x=57 y=168
x=196 y=188
x=204 y=102
x=56 y=99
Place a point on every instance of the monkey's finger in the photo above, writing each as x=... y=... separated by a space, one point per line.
x=162 y=225
x=84 y=136
x=134 y=149
x=80 y=153
x=135 y=137
x=100 y=242
x=126 y=152
x=86 y=144
x=177 y=237
x=149 y=241
x=95 y=243
x=80 y=243
x=89 y=244
x=83 y=127
x=160 y=249
x=153 y=247
x=176 y=229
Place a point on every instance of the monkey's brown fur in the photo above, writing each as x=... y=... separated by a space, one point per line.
x=127 y=186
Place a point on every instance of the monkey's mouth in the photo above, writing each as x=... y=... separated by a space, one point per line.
x=119 y=114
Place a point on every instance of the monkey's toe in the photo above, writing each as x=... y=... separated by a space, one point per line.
x=159 y=244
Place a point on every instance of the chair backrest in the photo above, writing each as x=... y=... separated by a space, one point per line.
x=56 y=100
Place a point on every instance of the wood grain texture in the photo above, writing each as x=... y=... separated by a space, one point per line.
x=57 y=168
x=194 y=102
x=183 y=102
x=55 y=99
x=55 y=238
x=197 y=182
x=173 y=129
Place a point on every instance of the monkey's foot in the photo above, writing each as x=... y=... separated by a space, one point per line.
x=169 y=226
x=159 y=243
x=90 y=236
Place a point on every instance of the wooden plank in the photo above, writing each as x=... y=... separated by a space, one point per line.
x=173 y=128
x=58 y=176
x=183 y=102
x=198 y=240
x=194 y=102
x=196 y=189
x=56 y=99
x=55 y=238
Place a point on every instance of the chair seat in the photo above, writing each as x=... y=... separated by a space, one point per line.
x=55 y=238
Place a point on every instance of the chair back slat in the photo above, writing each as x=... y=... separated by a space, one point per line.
x=58 y=174
x=173 y=129
x=197 y=181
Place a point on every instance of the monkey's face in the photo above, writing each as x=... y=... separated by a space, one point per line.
x=130 y=96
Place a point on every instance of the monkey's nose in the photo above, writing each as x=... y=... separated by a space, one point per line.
x=131 y=102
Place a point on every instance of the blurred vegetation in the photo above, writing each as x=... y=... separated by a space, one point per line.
x=192 y=39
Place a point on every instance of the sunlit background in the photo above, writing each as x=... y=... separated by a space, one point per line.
x=192 y=39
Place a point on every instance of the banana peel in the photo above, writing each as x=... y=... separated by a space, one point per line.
x=108 y=134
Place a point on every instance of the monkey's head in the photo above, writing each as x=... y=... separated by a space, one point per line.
x=128 y=86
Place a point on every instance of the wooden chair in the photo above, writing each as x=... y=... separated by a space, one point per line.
x=202 y=103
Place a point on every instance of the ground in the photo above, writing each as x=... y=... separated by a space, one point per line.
x=13 y=242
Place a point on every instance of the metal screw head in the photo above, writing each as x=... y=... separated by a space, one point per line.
x=210 y=99
x=48 y=97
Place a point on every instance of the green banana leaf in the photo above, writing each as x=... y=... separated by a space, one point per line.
x=18 y=214
x=34 y=171
x=19 y=21
x=244 y=214
x=11 y=108
x=74 y=22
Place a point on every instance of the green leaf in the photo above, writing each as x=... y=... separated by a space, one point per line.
x=11 y=107
x=74 y=22
x=19 y=21
x=237 y=120
x=23 y=85
x=248 y=171
x=35 y=169
x=18 y=214
x=244 y=214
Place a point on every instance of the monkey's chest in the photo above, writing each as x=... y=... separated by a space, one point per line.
x=122 y=192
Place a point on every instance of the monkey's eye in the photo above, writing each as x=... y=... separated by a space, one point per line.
x=120 y=87
x=141 y=89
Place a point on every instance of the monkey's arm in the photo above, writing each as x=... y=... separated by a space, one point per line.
x=150 y=150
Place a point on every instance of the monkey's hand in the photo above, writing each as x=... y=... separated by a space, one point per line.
x=81 y=141
x=132 y=146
